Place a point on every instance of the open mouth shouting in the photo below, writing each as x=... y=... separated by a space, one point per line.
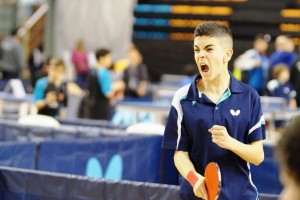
x=204 y=67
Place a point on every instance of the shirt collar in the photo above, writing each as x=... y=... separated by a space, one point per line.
x=193 y=93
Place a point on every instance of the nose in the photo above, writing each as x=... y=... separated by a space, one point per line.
x=201 y=54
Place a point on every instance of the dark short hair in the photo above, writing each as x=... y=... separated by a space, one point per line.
x=212 y=29
x=48 y=59
x=265 y=37
x=278 y=68
x=101 y=53
x=288 y=148
x=57 y=62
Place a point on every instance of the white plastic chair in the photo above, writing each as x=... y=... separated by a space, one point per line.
x=146 y=128
x=38 y=120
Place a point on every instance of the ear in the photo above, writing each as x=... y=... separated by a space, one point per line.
x=228 y=55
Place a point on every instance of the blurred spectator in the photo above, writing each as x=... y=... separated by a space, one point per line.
x=50 y=92
x=190 y=70
x=36 y=62
x=295 y=79
x=284 y=53
x=280 y=85
x=254 y=64
x=136 y=76
x=289 y=159
x=80 y=61
x=101 y=91
x=12 y=56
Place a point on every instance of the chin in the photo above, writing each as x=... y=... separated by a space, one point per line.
x=207 y=76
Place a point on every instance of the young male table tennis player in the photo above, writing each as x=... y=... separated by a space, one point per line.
x=216 y=118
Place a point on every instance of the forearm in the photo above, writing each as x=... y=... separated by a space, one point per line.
x=142 y=88
x=41 y=104
x=244 y=63
x=187 y=170
x=183 y=163
x=252 y=153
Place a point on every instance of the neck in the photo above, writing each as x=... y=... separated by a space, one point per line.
x=217 y=85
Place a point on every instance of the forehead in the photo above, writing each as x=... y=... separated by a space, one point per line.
x=261 y=41
x=56 y=67
x=203 y=41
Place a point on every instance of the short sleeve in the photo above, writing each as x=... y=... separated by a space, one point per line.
x=105 y=81
x=257 y=122
x=39 y=89
x=175 y=135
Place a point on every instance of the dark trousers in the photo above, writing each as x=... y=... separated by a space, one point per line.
x=10 y=75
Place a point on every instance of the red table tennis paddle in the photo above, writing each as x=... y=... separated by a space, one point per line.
x=212 y=176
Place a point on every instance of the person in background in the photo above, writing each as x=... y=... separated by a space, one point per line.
x=284 y=53
x=295 y=79
x=36 y=63
x=80 y=61
x=254 y=64
x=287 y=152
x=12 y=56
x=50 y=92
x=135 y=76
x=216 y=118
x=101 y=91
x=280 y=85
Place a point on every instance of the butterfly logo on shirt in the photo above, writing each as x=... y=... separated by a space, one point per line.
x=235 y=113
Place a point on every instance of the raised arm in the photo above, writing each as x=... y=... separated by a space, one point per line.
x=252 y=153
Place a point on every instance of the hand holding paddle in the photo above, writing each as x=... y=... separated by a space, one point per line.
x=198 y=183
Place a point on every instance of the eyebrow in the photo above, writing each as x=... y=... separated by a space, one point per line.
x=207 y=46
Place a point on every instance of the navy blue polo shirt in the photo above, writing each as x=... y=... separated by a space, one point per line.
x=193 y=113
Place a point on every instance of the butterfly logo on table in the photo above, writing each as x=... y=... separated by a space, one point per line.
x=113 y=171
x=235 y=112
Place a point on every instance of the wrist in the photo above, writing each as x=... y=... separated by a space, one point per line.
x=232 y=147
x=192 y=178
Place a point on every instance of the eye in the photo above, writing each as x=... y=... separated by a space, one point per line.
x=209 y=49
x=196 y=50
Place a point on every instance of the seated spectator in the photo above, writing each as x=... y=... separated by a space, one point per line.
x=280 y=85
x=50 y=93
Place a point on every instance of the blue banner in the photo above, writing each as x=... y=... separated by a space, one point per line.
x=135 y=158
x=20 y=155
x=266 y=175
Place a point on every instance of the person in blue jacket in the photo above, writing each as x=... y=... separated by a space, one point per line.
x=216 y=118
x=50 y=92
